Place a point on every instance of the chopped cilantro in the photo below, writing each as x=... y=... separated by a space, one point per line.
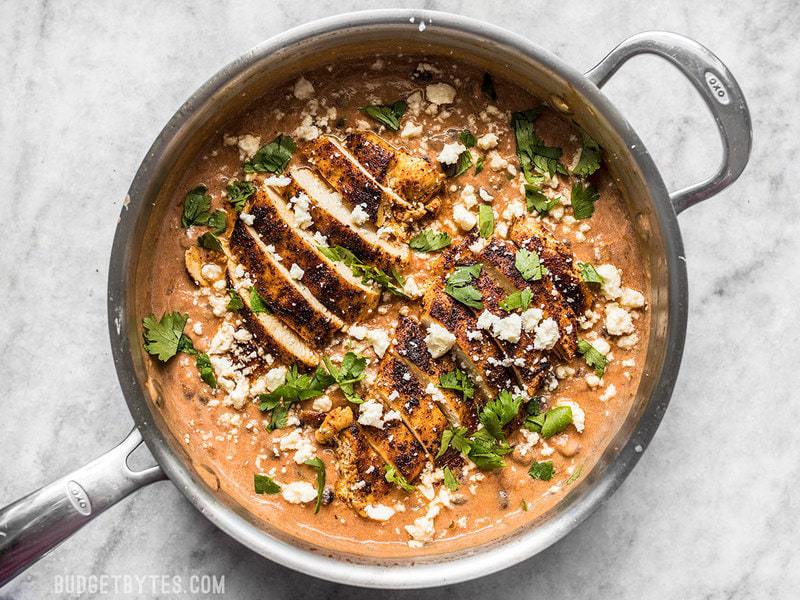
x=584 y=195
x=449 y=479
x=459 y=381
x=272 y=157
x=392 y=282
x=485 y=221
x=429 y=240
x=218 y=222
x=235 y=303
x=528 y=265
x=239 y=192
x=588 y=273
x=593 y=357
x=479 y=165
x=551 y=422
x=519 y=300
x=386 y=114
x=589 y=160
x=467 y=138
x=536 y=200
x=162 y=337
x=348 y=374
x=210 y=242
x=459 y=285
x=196 y=207
x=392 y=476
x=500 y=412
x=257 y=303
x=265 y=485
x=541 y=470
x=319 y=466
x=533 y=155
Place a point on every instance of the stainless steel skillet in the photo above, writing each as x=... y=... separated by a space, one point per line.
x=35 y=524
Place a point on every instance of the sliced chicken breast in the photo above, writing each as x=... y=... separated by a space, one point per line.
x=361 y=470
x=336 y=223
x=286 y=297
x=333 y=284
x=413 y=178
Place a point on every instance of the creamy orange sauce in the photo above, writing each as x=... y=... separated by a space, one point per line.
x=233 y=444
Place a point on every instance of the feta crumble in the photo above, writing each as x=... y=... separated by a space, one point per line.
x=440 y=93
x=438 y=340
x=450 y=153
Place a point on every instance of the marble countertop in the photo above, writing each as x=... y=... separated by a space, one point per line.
x=711 y=511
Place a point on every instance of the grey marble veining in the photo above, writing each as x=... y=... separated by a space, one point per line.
x=711 y=511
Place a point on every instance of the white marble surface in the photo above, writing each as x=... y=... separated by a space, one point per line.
x=711 y=511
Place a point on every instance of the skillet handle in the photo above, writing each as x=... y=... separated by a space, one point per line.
x=38 y=522
x=715 y=84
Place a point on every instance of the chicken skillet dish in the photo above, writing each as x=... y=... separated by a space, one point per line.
x=399 y=308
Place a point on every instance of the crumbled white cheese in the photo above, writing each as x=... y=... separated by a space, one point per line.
x=473 y=335
x=546 y=335
x=578 y=416
x=414 y=102
x=487 y=197
x=631 y=298
x=211 y=272
x=300 y=207
x=592 y=380
x=379 y=512
x=411 y=130
x=307 y=130
x=295 y=440
x=370 y=413
x=531 y=439
x=628 y=341
x=248 y=146
x=564 y=371
x=450 y=153
x=508 y=329
x=218 y=304
x=487 y=141
x=223 y=339
x=359 y=214
x=513 y=210
x=391 y=415
x=298 y=492
x=357 y=331
x=197 y=328
x=464 y=218
x=478 y=245
x=440 y=93
x=242 y=335
x=247 y=218
x=411 y=288
x=277 y=181
x=322 y=404
x=496 y=162
x=486 y=320
x=379 y=339
x=468 y=196
x=531 y=318
x=611 y=281
x=303 y=90
x=320 y=240
x=295 y=272
x=618 y=320
x=274 y=378
x=610 y=392
x=601 y=345
x=439 y=340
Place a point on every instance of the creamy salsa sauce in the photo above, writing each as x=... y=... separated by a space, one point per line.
x=228 y=445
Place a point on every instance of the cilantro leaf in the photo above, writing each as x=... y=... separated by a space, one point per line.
x=272 y=157
x=575 y=474
x=550 y=423
x=467 y=138
x=239 y=192
x=162 y=337
x=449 y=480
x=485 y=221
x=528 y=265
x=392 y=476
x=392 y=282
x=264 y=484
x=588 y=273
x=500 y=412
x=459 y=167
x=386 y=114
x=235 y=303
x=536 y=200
x=533 y=155
x=278 y=417
x=350 y=372
x=429 y=240
x=487 y=87
x=541 y=470
x=519 y=300
x=589 y=160
x=459 y=381
x=584 y=195
x=257 y=303
x=455 y=437
x=479 y=165
x=319 y=466
x=218 y=222
x=295 y=388
x=486 y=451
x=203 y=364
x=196 y=207
x=210 y=242
x=593 y=357
x=459 y=285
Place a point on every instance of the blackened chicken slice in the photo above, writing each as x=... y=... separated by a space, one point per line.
x=409 y=344
x=361 y=470
x=287 y=298
x=333 y=284
x=335 y=222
